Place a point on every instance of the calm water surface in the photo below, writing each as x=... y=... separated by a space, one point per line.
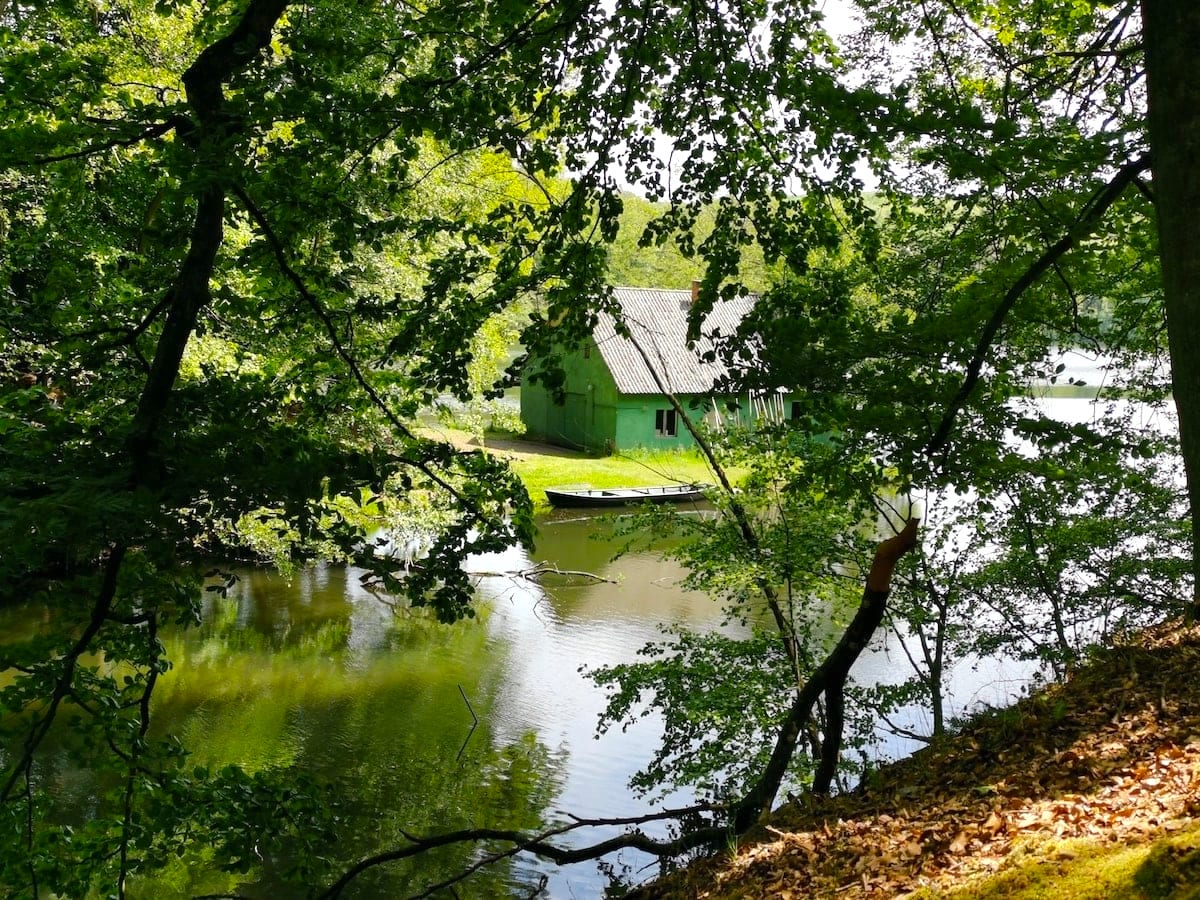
x=315 y=672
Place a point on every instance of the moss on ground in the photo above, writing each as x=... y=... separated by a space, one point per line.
x=1087 y=870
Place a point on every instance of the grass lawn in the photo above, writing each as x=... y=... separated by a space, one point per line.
x=540 y=466
x=633 y=469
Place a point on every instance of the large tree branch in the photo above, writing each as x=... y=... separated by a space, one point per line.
x=205 y=78
x=188 y=294
x=539 y=844
x=831 y=673
x=204 y=81
x=1085 y=223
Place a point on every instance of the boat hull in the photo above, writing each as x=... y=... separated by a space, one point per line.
x=684 y=493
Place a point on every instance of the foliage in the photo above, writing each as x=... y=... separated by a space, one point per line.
x=634 y=262
x=719 y=698
x=244 y=244
x=1070 y=538
x=1011 y=221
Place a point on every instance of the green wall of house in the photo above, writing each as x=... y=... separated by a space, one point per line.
x=586 y=420
x=593 y=415
x=596 y=418
x=639 y=417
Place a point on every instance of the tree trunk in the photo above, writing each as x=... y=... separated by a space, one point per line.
x=829 y=679
x=1171 y=38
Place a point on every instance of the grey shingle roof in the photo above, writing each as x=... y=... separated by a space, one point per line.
x=657 y=319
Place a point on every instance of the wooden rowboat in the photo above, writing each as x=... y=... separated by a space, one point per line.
x=625 y=496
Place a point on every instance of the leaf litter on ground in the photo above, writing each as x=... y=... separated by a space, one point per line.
x=1112 y=756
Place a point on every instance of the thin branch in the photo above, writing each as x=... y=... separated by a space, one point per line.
x=538 y=844
x=474 y=723
x=1144 y=189
x=740 y=516
x=62 y=687
x=128 y=335
x=1118 y=53
x=137 y=745
x=470 y=870
x=901 y=731
x=29 y=833
x=156 y=130
x=344 y=354
x=540 y=571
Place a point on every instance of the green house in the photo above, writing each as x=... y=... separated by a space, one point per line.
x=612 y=394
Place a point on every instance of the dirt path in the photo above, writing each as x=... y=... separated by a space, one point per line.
x=505 y=448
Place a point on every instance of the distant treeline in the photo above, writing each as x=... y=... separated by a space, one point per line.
x=666 y=267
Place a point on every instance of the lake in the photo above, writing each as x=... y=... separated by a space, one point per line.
x=314 y=672
x=427 y=728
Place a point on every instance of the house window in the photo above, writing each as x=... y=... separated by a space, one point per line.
x=664 y=423
x=795 y=410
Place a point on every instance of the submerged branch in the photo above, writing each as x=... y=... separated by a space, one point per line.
x=538 y=572
x=539 y=845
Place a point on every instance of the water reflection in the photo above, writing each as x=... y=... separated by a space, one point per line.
x=316 y=673
x=556 y=631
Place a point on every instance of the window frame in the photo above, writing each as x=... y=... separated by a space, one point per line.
x=666 y=423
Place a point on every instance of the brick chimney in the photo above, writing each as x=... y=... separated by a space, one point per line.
x=695 y=291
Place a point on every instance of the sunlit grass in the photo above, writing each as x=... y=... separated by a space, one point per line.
x=633 y=469
x=541 y=466
x=1086 y=870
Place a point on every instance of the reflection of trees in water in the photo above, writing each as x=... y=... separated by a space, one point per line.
x=284 y=686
